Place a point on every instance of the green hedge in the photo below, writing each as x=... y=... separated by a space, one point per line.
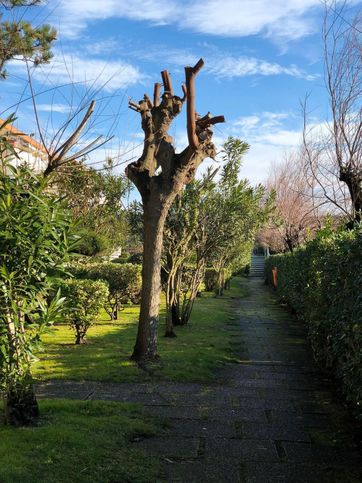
x=322 y=282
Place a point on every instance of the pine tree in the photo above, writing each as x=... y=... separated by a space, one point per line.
x=19 y=39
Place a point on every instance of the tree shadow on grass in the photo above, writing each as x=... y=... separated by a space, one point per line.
x=199 y=349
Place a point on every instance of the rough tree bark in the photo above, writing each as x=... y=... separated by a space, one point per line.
x=159 y=175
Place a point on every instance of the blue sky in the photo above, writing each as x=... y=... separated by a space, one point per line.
x=261 y=58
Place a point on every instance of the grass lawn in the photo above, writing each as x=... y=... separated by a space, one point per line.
x=199 y=348
x=79 y=441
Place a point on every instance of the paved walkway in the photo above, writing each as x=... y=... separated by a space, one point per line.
x=273 y=417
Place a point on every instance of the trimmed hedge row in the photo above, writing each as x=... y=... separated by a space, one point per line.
x=322 y=282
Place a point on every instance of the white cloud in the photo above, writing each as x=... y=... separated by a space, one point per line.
x=61 y=108
x=230 y=67
x=266 y=127
x=95 y=73
x=229 y=18
x=75 y=15
x=220 y=64
x=240 y=18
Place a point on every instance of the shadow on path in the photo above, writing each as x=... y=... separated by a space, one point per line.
x=273 y=417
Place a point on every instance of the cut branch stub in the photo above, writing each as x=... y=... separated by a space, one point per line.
x=166 y=79
x=193 y=120
x=210 y=121
x=184 y=90
x=156 y=94
x=190 y=74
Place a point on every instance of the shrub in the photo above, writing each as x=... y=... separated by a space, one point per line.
x=217 y=282
x=33 y=247
x=124 y=282
x=210 y=279
x=84 y=299
x=322 y=282
x=90 y=243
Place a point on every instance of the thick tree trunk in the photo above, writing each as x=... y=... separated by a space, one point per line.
x=154 y=217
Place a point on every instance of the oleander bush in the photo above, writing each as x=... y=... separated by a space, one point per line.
x=83 y=299
x=322 y=283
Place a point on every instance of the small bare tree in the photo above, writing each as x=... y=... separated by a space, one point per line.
x=297 y=210
x=159 y=175
x=334 y=155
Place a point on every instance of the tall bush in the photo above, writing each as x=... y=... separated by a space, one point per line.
x=322 y=282
x=33 y=245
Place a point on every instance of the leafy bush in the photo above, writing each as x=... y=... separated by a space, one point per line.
x=124 y=282
x=210 y=279
x=33 y=245
x=90 y=243
x=84 y=299
x=322 y=282
x=216 y=282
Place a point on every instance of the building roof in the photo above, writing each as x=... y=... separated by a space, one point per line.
x=25 y=137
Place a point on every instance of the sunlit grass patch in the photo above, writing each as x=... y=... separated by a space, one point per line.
x=200 y=347
x=79 y=441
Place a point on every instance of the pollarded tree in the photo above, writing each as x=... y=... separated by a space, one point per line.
x=159 y=175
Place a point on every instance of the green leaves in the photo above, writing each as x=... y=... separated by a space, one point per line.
x=123 y=281
x=34 y=233
x=83 y=301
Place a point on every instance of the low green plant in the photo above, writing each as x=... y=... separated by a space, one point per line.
x=84 y=299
